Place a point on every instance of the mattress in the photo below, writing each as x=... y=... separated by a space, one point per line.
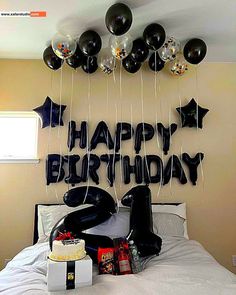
x=183 y=267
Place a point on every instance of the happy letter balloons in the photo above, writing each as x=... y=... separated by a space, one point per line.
x=118 y=19
x=195 y=50
x=154 y=35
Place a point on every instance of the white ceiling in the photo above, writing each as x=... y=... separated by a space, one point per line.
x=212 y=20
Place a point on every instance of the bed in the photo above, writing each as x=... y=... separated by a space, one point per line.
x=183 y=266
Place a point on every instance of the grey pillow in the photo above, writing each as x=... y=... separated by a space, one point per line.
x=168 y=224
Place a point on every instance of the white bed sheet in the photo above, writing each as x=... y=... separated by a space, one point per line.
x=183 y=268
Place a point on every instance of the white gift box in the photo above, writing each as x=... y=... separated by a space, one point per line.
x=69 y=274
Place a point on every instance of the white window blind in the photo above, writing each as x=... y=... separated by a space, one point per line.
x=18 y=136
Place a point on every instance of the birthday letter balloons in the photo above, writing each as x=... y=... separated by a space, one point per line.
x=195 y=50
x=118 y=19
x=154 y=35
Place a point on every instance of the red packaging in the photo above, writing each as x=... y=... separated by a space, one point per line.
x=105 y=260
x=122 y=257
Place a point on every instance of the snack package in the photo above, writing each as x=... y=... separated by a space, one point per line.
x=105 y=260
x=121 y=257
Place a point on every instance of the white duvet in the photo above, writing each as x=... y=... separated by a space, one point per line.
x=183 y=268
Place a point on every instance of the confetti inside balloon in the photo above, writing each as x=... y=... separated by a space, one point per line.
x=106 y=61
x=63 y=46
x=179 y=66
x=169 y=49
x=121 y=46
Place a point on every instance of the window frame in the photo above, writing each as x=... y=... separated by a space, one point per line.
x=22 y=114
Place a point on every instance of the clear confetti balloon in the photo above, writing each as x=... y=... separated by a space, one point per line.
x=106 y=61
x=179 y=66
x=63 y=46
x=169 y=49
x=121 y=46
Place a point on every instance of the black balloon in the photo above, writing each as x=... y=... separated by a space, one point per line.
x=50 y=113
x=192 y=114
x=192 y=164
x=139 y=50
x=111 y=161
x=195 y=50
x=118 y=19
x=90 y=43
x=76 y=59
x=136 y=169
x=155 y=62
x=166 y=135
x=147 y=162
x=72 y=178
x=54 y=168
x=174 y=169
x=101 y=135
x=131 y=65
x=90 y=195
x=51 y=59
x=73 y=134
x=89 y=64
x=144 y=132
x=124 y=131
x=90 y=165
x=141 y=223
x=154 y=35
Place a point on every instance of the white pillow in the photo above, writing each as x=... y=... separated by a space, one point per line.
x=48 y=216
x=170 y=228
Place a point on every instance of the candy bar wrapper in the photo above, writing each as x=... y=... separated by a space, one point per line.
x=106 y=260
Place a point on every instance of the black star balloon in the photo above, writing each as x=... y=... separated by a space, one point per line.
x=192 y=114
x=50 y=113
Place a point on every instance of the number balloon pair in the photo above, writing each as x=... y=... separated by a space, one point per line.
x=101 y=208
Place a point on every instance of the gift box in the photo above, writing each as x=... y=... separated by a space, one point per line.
x=69 y=274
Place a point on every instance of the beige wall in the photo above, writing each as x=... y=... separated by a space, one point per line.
x=211 y=204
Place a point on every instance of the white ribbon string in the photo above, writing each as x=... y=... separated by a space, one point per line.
x=121 y=115
x=180 y=107
x=71 y=105
x=87 y=145
x=107 y=109
x=197 y=92
x=113 y=164
x=59 y=130
x=142 y=113
x=171 y=171
x=133 y=138
x=157 y=136
x=50 y=127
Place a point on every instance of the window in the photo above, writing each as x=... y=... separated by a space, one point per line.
x=18 y=136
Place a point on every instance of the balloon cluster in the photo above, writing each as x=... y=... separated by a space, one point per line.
x=118 y=21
